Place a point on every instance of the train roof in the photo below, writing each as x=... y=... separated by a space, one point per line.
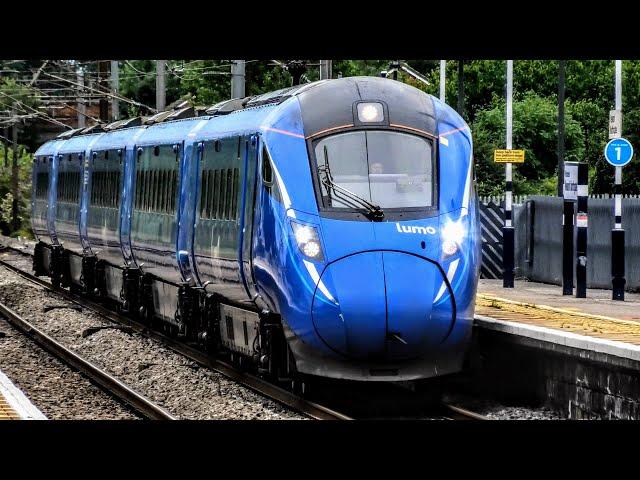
x=325 y=104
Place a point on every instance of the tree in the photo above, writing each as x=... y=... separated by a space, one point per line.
x=18 y=103
x=534 y=130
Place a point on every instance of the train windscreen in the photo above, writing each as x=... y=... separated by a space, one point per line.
x=387 y=168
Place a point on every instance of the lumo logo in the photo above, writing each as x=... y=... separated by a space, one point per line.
x=415 y=229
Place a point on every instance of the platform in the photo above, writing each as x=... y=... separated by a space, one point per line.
x=544 y=305
x=14 y=405
x=582 y=356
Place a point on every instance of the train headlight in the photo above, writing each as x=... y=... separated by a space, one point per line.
x=453 y=234
x=308 y=240
x=370 y=112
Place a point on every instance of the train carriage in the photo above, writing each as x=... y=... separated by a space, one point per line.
x=327 y=229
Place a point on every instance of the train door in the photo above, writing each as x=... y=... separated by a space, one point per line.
x=217 y=218
x=189 y=180
x=86 y=172
x=267 y=227
x=53 y=197
x=250 y=146
x=126 y=206
x=39 y=195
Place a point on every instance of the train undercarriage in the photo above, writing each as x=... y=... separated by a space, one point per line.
x=250 y=340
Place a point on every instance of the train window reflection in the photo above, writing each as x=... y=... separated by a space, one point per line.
x=390 y=169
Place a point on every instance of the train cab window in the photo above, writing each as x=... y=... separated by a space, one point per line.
x=267 y=170
x=388 y=168
x=268 y=175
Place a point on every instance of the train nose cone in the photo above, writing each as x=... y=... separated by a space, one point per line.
x=419 y=305
x=380 y=305
x=353 y=321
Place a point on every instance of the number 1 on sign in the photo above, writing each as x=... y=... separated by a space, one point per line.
x=618 y=150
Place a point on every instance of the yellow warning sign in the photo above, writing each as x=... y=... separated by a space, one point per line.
x=508 y=156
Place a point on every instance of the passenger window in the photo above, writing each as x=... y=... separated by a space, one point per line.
x=229 y=193
x=216 y=198
x=118 y=177
x=173 y=185
x=236 y=186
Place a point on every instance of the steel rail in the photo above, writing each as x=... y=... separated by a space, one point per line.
x=112 y=385
x=258 y=385
x=463 y=413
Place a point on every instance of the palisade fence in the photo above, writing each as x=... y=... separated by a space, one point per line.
x=491 y=223
x=538 y=239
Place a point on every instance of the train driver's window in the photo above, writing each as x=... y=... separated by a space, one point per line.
x=267 y=170
x=268 y=175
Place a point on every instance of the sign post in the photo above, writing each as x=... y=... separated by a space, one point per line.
x=508 y=234
x=570 y=195
x=582 y=224
x=618 y=153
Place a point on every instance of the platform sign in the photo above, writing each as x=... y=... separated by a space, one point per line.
x=508 y=156
x=618 y=152
x=615 y=124
x=570 y=185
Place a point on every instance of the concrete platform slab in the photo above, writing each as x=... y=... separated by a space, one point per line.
x=598 y=302
x=14 y=405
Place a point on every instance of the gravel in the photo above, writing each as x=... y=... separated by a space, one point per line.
x=496 y=411
x=57 y=390
x=179 y=385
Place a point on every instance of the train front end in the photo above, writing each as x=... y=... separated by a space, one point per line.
x=380 y=277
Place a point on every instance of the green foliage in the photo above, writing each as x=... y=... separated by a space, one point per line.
x=535 y=131
x=14 y=95
x=138 y=81
x=6 y=204
x=25 y=161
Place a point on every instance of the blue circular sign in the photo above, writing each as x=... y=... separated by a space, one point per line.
x=618 y=152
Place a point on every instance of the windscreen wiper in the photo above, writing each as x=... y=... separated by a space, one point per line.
x=374 y=211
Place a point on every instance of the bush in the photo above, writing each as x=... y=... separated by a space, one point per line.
x=535 y=131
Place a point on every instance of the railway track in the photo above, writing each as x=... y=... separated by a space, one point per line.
x=107 y=382
x=457 y=413
x=310 y=409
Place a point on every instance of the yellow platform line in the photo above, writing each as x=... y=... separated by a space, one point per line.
x=6 y=412
x=598 y=326
x=565 y=311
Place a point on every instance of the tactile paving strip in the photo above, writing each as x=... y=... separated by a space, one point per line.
x=6 y=412
x=544 y=316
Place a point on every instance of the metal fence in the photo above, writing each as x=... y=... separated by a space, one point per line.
x=538 y=241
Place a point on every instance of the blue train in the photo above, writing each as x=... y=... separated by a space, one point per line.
x=328 y=229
